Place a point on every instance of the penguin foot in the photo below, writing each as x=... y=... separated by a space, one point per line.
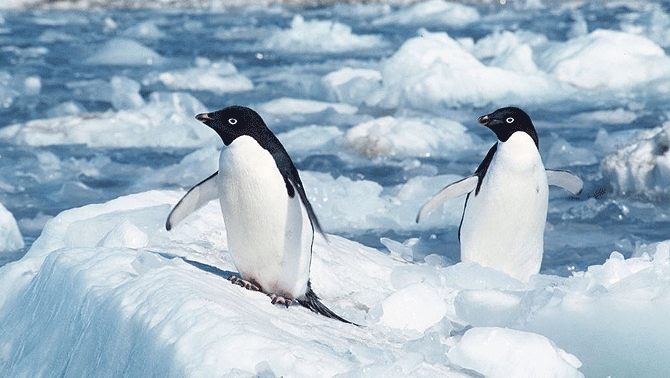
x=281 y=300
x=244 y=283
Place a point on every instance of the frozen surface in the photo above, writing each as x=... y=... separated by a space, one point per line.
x=378 y=115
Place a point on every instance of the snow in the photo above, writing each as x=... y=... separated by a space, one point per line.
x=122 y=282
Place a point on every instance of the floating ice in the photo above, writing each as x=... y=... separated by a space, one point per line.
x=631 y=60
x=146 y=29
x=126 y=93
x=10 y=236
x=124 y=52
x=350 y=85
x=321 y=36
x=502 y=353
x=563 y=154
x=432 y=12
x=217 y=77
x=416 y=307
x=618 y=116
x=166 y=120
x=286 y=105
x=434 y=70
x=408 y=137
x=641 y=168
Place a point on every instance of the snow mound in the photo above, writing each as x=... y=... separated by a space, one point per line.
x=124 y=52
x=642 y=167
x=106 y=280
x=321 y=36
x=541 y=358
x=165 y=121
x=433 y=13
x=408 y=137
x=217 y=77
x=10 y=236
x=632 y=60
x=436 y=71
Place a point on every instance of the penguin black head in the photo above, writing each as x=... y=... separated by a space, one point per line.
x=506 y=121
x=235 y=121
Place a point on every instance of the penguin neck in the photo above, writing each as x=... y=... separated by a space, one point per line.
x=519 y=152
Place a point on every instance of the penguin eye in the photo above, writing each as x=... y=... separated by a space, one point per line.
x=232 y=121
x=509 y=120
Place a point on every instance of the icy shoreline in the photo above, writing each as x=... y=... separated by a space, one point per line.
x=111 y=292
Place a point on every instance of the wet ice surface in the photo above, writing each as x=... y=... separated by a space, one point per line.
x=377 y=105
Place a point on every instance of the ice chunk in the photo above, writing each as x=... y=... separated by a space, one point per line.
x=408 y=137
x=316 y=35
x=216 y=77
x=618 y=116
x=124 y=52
x=166 y=120
x=631 y=60
x=286 y=105
x=125 y=93
x=482 y=308
x=313 y=138
x=350 y=85
x=434 y=70
x=32 y=85
x=641 y=168
x=432 y=12
x=563 y=154
x=502 y=353
x=146 y=29
x=68 y=108
x=415 y=307
x=10 y=236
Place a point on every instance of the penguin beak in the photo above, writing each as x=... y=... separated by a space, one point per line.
x=203 y=117
x=484 y=120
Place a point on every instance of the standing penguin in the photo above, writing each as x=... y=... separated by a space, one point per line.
x=506 y=205
x=269 y=221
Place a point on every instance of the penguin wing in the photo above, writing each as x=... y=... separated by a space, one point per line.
x=195 y=198
x=450 y=191
x=293 y=184
x=565 y=180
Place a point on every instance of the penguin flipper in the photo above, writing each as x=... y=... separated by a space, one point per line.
x=312 y=302
x=195 y=198
x=565 y=180
x=450 y=191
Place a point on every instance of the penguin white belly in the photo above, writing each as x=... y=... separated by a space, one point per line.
x=503 y=225
x=269 y=233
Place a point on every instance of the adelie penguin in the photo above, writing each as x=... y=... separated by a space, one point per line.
x=506 y=205
x=269 y=221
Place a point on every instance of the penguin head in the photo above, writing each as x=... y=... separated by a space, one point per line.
x=234 y=121
x=506 y=121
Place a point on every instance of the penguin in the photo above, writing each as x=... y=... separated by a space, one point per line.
x=505 y=212
x=269 y=221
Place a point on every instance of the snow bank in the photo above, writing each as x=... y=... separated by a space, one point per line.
x=435 y=71
x=165 y=121
x=642 y=167
x=106 y=280
x=124 y=52
x=319 y=36
x=10 y=236
x=217 y=77
x=432 y=13
x=632 y=60
x=408 y=137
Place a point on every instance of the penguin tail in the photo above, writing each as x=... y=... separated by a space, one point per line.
x=312 y=302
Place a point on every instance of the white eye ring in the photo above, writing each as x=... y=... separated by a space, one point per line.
x=509 y=120
x=232 y=121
